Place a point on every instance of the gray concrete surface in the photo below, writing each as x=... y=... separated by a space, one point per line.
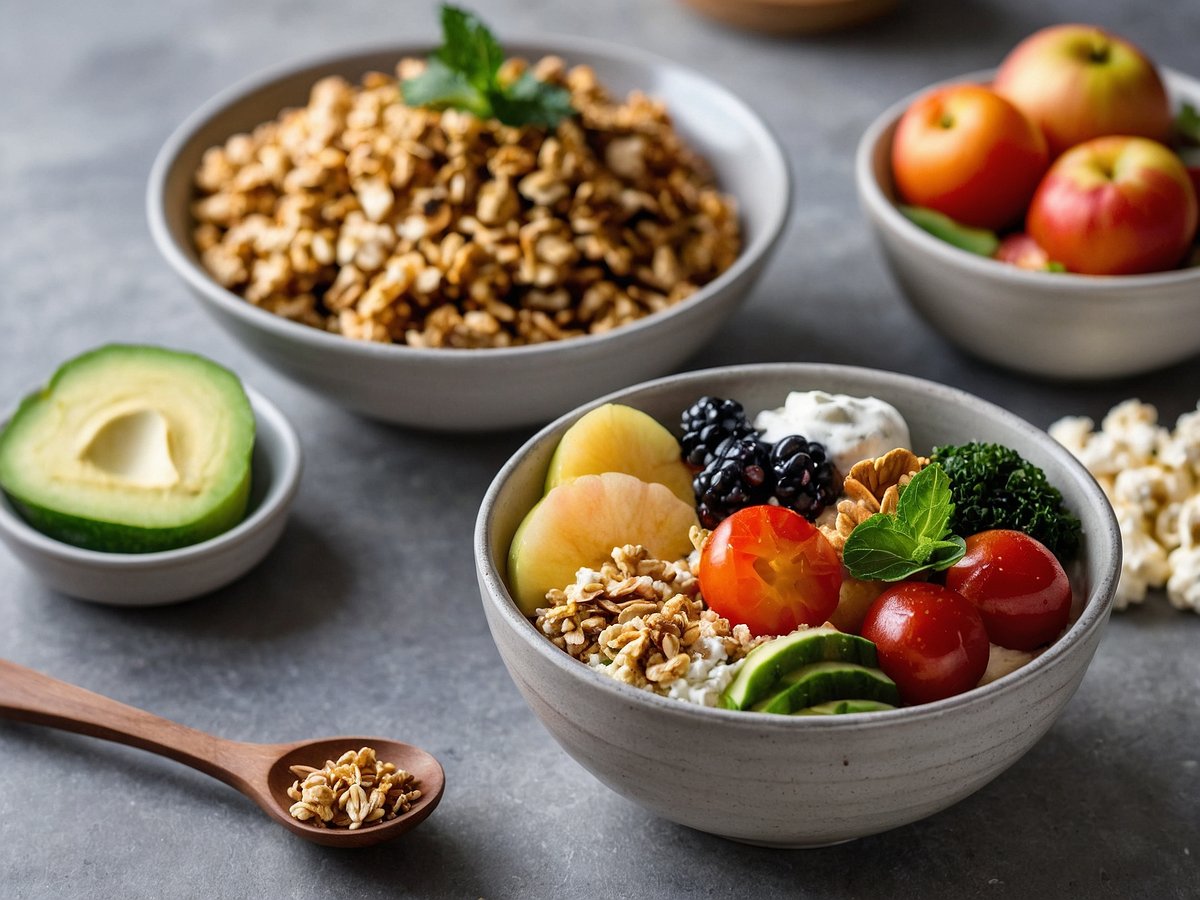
x=366 y=618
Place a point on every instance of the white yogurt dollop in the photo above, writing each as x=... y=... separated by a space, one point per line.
x=851 y=428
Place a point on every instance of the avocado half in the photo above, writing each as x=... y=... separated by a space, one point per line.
x=131 y=449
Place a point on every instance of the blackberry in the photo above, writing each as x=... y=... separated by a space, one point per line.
x=805 y=480
x=706 y=423
x=737 y=475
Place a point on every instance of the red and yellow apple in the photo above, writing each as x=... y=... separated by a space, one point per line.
x=1024 y=252
x=1115 y=206
x=968 y=153
x=1078 y=82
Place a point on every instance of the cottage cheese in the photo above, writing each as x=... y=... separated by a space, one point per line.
x=851 y=428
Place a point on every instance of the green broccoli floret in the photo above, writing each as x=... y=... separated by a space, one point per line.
x=993 y=486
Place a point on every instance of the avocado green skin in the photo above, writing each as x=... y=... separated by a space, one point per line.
x=119 y=537
x=822 y=682
x=843 y=707
x=766 y=664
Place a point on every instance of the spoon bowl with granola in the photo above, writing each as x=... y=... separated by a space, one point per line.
x=429 y=266
x=748 y=678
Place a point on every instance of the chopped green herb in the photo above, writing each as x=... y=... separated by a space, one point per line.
x=993 y=486
x=973 y=240
x=916 y=539
x=1187 y=124
x=464 y=74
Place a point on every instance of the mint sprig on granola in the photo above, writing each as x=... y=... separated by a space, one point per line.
x=464 y=74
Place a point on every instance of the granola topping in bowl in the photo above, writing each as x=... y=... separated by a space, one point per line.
x=363 y=216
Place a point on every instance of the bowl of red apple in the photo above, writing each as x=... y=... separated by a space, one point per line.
x=1043 y=215
x=795 y=604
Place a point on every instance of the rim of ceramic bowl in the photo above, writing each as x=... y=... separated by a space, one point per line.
x=285 y=480
x=195 y=275
x=1096 y=608
x=873 y=196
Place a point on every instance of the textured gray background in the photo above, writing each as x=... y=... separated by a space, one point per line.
x=366 y=618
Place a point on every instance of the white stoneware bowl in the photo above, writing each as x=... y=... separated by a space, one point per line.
x=1056 y=325
x=153 y=579
x=799 y=781
x=480 y=390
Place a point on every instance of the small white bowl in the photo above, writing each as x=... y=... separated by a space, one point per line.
x=789 y=781
x=487 y=389
x=1057 y=325
x=153 y=579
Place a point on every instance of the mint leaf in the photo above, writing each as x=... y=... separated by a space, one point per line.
x=463 y=74
x=916 y=539
x=469 y=47
x=531 y=102
x=880 y=549
x=947 y=553
x=440 y=87
x=925 y=505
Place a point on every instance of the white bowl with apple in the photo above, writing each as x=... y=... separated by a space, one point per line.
x=1058 y=213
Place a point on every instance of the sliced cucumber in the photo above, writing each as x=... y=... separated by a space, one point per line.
x=822 y=682
x=843 y=707
x=767 y=663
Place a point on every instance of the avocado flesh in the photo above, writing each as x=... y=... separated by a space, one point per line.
x=131 y=449
x=822 y=682
x=767 y=663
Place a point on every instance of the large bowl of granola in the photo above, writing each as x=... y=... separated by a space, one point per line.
x=628 y=708
x=442 y=270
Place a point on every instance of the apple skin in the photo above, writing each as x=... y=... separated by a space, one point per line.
x=966 y=152
x=1078 y=82
x=1115 y=205
x=1024 y=252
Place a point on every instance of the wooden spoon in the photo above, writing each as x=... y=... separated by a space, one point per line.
x=260 y=771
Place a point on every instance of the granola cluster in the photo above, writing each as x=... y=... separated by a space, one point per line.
x=365 y=217
x=871 y=486
x=354 y=791
x=641 y=619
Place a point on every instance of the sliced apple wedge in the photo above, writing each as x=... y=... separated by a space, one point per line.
x=617 y=438
x=579 y=523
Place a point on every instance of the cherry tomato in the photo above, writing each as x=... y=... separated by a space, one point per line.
x=931 y=640
x=968 y=153
x=1017 y=585
x=770 y=569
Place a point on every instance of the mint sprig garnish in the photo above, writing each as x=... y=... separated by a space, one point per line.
x=916 y=539
x=463 y=74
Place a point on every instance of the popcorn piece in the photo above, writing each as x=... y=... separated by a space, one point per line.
x=1183 y=587
x=1151 y=475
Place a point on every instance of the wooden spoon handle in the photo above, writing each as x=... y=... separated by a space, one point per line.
x=29 y=696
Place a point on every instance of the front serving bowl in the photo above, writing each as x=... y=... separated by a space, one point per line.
x=479 y=390
x=806 y=781
x=1050 y=324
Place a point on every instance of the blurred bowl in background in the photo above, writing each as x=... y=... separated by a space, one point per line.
x=495 y=388
x=1050 y=324
x=792 y=16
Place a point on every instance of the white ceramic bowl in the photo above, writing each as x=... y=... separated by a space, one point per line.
x=798 y=781
x=152 y=579
x=478 y=390
x=1056 y=325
